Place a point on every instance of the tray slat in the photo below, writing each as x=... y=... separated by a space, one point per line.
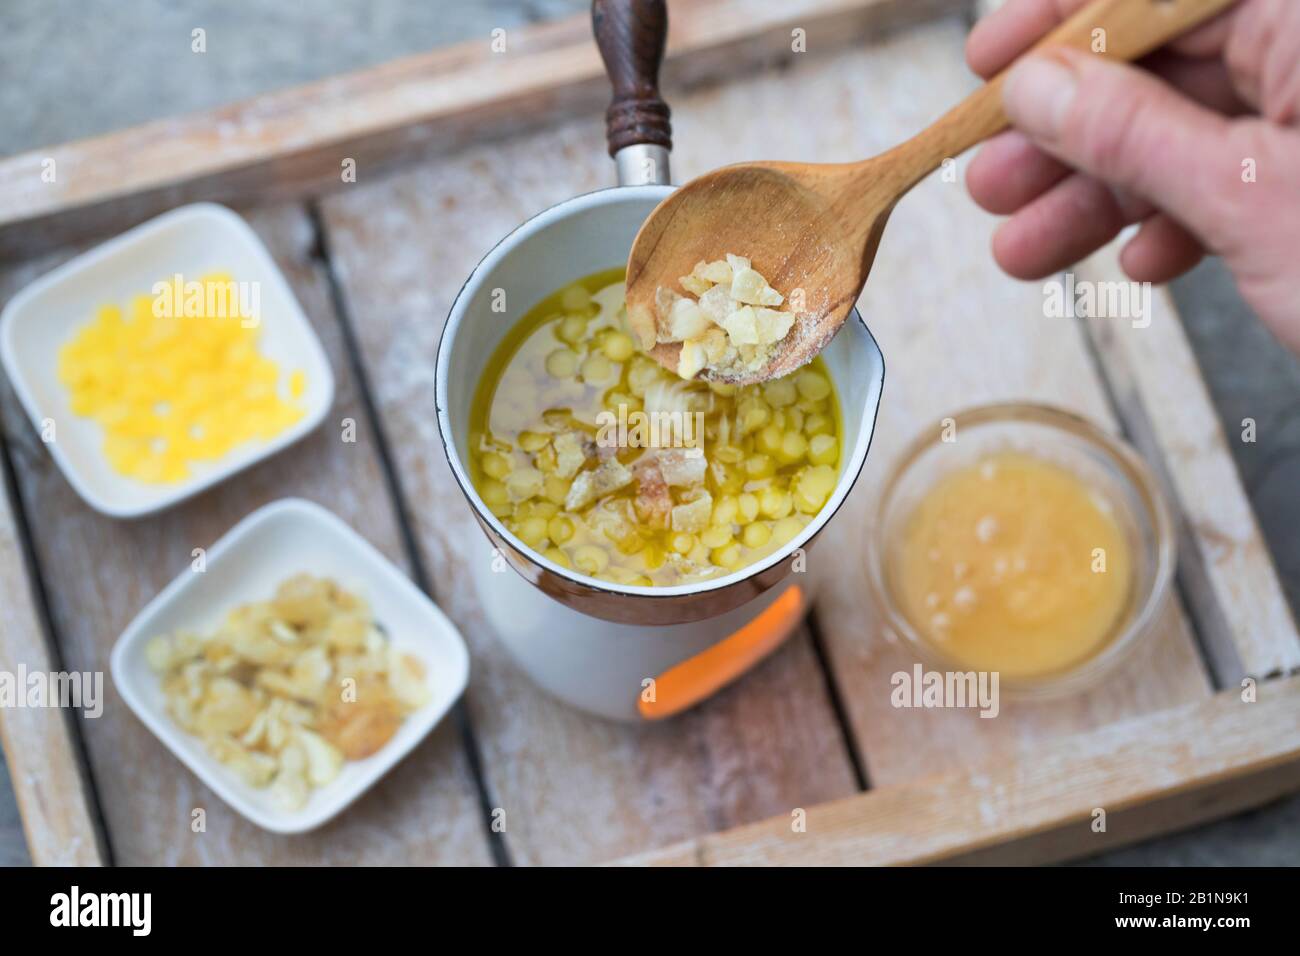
x=44 y=763
x=1229 y=578
x=100 y=572
x=1148 y=774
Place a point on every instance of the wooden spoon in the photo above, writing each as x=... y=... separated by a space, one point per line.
x=812 y=229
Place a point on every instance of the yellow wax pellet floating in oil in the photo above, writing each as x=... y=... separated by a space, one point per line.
x=1014 y=565
x=184 y=386
x=634 y=511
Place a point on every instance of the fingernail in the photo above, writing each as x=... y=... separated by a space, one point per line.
x=1038 y=94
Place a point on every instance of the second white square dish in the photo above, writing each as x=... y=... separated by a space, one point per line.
x=283 y=539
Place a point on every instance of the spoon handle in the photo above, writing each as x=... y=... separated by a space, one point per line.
x=631 y=35
x=1118 y=29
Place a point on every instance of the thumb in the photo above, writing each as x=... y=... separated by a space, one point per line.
x=1123 y=125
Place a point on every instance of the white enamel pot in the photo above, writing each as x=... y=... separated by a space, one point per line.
x=591 y=641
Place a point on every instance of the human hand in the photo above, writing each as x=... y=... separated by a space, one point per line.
x=1200 y=144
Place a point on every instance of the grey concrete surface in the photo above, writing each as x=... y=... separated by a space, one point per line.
x=73 y=68
x=1250 y=376
x=13 y=847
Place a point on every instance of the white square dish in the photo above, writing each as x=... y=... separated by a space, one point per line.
x=284 y=538
x=191 y=241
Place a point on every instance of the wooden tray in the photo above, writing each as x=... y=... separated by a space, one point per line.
x=455 y=148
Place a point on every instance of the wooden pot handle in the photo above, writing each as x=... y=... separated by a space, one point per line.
x=631 y=35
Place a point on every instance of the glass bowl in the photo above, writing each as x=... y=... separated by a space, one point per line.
x=1111 y=469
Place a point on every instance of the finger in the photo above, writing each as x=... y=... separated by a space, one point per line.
x=1007 y=174
x=1207 y=81
x=1262 y=53
x=1010 y=171
x=1009 y=31
x=1067 y=223
x=1125 y=126
x=1132 y=208
x=1209 y=39
x=1162 y=250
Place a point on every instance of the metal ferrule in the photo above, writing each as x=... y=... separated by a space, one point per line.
x=643 y=164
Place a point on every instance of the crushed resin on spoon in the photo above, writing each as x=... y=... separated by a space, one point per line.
x=1014 y=565
x=730 y=327
x=174 y=390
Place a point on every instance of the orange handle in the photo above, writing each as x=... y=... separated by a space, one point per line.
x=686 y=684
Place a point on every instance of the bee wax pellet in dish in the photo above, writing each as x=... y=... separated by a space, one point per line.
x=285 y=691
x=176 y=386
x=1014 y=564
x=717 y=478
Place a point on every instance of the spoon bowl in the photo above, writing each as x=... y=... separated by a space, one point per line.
x=784 y=219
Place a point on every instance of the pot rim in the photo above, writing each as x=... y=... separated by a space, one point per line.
x=848 y=478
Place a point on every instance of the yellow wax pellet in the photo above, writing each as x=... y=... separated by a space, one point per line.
x=596 y=425
x=176 y=379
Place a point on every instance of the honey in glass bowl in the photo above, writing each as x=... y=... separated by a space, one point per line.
x=599 y=459
x=1023 y=540
x=1013 y=564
